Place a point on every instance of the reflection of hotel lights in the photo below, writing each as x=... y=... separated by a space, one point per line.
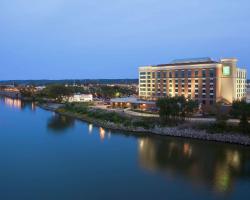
x=233 y=159
x=13 y=103
x=141 y=144
x=102 y=133
x=90 y=128
x=33 y=106
x=187 y=149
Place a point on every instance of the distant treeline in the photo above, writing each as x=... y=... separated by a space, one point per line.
x=69 y=81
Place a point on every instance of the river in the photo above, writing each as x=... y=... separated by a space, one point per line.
x=47 y=156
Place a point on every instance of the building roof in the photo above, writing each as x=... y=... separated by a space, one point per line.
x=190 y=61
x=132 y=100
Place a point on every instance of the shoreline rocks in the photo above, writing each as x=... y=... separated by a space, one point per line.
x=163 y=131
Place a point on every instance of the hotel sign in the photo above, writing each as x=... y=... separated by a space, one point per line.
x=226 y=71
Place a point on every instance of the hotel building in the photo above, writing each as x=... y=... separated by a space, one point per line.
x=202 y=79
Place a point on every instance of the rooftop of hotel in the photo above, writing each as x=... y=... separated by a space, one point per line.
x=193 y=61
x=132 y=100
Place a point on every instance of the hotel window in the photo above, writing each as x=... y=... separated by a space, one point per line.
x=183 y=86
x=143 y=73
x=203 y=73
x=211 y=73
x=170 y=81
x=158 y=74
x=170 y=74
x=196 y=81
x=189 y=73
x=176 y=86
x=189 y=86
x=196 y=86
x=189 y=90
x=203 y=91
x=183 y=90
x=196 y=96
x=176 y=81
x=176 y=74
x=204 y=102
x=211 y=96
x=189 y=81
x=211 y=102
x=196 y=91
x=164 y=74
x=182 y=74
x=203 y=96
x=196 y=73
x=153 y=74
x=170 y=90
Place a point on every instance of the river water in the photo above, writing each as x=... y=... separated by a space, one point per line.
x=47 y=156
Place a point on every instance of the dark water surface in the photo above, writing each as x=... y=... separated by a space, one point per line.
x=47 y=156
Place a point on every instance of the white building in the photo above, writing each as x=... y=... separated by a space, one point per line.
x=81 y=98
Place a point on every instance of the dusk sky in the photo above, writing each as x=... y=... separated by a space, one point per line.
x=78 y=39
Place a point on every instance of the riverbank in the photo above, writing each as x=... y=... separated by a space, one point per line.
x=184 y=132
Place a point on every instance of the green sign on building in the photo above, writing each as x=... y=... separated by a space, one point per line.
x=226 y=71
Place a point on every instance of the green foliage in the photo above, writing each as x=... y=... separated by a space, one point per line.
x=220 y=114
x=105 y=91
x=217 y=127
x=56 y=92
x=80 y=108
x=241 y=110
x=175 y=108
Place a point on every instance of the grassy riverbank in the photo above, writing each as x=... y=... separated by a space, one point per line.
x=121 y=121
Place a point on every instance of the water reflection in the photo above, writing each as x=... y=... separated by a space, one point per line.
x=13 y=103
x=17 y=103
x=90 y=128
x=102 y=133
x=58 y=123
x=215 y=165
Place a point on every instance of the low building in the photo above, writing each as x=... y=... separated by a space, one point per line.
x=203 y=79
x=133 y=103
x=80 y=98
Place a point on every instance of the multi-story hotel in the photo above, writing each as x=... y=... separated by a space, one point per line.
x=203 y=79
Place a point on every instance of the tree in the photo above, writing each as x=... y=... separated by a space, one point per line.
x=57 y=91
x=175 y=108
x=241 y=109
x=190 y=107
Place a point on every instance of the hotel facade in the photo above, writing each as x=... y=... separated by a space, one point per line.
x=202 y=79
